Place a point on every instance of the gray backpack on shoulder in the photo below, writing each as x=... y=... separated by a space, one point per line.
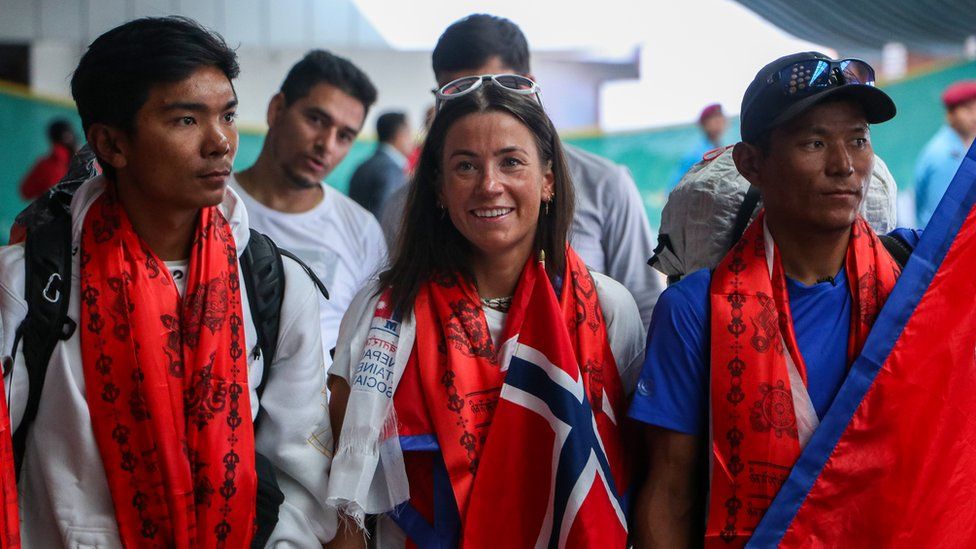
x=713 y=204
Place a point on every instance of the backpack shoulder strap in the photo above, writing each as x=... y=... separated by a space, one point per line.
x=899 y=249
x=47 y=285
x=264 y=282
x=744 y=214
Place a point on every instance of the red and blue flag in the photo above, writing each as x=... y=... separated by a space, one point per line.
x=893 y=463
x=551 y=474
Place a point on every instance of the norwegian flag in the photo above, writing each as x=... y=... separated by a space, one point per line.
x=551 y=472
x=893 y=463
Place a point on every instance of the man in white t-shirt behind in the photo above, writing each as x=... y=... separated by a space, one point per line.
x=312 y=123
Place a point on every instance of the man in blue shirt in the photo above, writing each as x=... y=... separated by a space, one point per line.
x=806 y=145
x=944 y=152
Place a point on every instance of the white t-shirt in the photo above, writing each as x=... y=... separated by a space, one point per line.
x=496 y=323
x=178 y=270
x=338 y=239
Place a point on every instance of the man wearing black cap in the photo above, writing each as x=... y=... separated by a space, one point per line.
x=745 y=360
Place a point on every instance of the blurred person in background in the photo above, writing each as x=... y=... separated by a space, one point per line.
x=414 y=157
x=312 y=123
x=713 y=124
x=610 y=229
x=440 y=366
x=51 y=168
x=382 y=174
x=944 y=152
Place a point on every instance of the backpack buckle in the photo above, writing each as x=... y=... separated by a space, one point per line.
x=68 y=328
x=53 y=281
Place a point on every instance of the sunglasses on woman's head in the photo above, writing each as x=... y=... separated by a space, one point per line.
x=514 y=83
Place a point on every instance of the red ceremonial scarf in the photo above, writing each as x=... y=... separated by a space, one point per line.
x=451 y=384
x=757 y=431
x=166 y=383
x=9 y=517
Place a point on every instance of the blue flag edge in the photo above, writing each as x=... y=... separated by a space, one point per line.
x=914 y=281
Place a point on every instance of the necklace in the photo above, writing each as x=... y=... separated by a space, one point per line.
x=500 y=304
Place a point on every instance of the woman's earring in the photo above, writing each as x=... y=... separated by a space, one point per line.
x=443 y=212
x=549 y=201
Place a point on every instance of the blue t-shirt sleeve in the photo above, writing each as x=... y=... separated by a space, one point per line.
x=673 y=389
x=908 y=236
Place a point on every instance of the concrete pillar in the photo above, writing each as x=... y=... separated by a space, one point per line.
x=894 y=60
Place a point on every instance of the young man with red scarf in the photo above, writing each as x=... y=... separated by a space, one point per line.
x=149 y=418
x=743 y=361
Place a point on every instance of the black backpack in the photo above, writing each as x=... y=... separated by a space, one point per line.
x=47 y=263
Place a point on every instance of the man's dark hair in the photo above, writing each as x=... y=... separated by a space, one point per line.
x=470 y=42
x=763 y=142
x=322 y=67
x=114 y=76
x=388 y=124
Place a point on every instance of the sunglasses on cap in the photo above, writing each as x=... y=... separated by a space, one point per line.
x=514 y=83
x=814 y=75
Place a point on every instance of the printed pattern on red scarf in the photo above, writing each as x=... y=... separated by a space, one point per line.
x=754 y=424
x=166 y=383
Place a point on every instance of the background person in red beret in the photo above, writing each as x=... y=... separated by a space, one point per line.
x=713 y=124
x=942 y=154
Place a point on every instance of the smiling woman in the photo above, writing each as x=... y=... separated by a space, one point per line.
x=491 y=190
x=483 y=295
x=494 y=182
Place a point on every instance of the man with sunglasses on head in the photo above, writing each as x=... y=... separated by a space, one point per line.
x=610 y=229
x=742 y=362
x=312 y=123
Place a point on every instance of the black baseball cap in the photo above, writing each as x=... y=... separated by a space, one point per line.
x=769 y=102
